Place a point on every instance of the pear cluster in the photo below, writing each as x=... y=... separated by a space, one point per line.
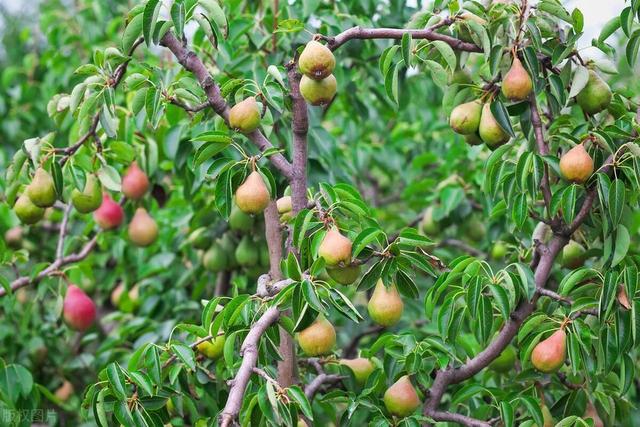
x=476 y=122
x=318 y=85
x=39 y=195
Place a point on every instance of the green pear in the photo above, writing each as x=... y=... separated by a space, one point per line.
x=215 y=258
x=344 y=275
x=240 y=221
x=401 y=398
x=595 y=96
x=460 y=76
x=316 y=61
x=285 y=207
x=546 y=416
x=229 y=246
x=245 y=115
x=549 y=355
x=576 y=165
x=335 y=248
x=462 y=27
x=490 y=131
x=212 y=348
x=473 y=139
x=41 y=190
x=474 y=228
x=142 y=230
x=429 y=226
x=516 y=84
x=200 y=238
x=573 y=255
x=361 y=368
x=318 y=338
x=385 y=305
x=90 y=198
x=252 y=196
x=465 y=118
x=498 y=251
x=505 y=361
x=318 y=92
x=247 y=253
x=26 y=211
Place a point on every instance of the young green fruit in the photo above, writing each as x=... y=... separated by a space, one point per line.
x=90 y=198
x=595 y=96
x=498 y=251
x=576 y=165
x=135 y=182
x=548 y=355
x=245 y=115
x=429 y=226
x=516 y=84
x=505 y=361
x=109 y=215
x=335 y=248
x=41 y=190
x=27 y=212
x=460 y=76
x=247 y=253
x=316 y=61
x=344 y=275
x=228 y=245
x=490 y=131
x=546 y=417
x=592 y=413
x=318 y=338
x=318 y=92
x=474 y=229
x=385 y=306
x=401 y=398
x=361 y=368
x=465 y=118
x=143 y=230
x=79 y=311
x=252 y=196
x=201 y=238
x=473 y=139
x=212 y=348
x=573 y=255
x=215 y=259
x=285 y=208
x=240 y=221
x=463 y=28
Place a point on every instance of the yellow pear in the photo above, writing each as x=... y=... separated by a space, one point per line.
x=401 y=398
x=361 y=368
x=245 y=115
x=212 y=348
x=318 y=338
x=318 y=92
x=516 y=84
x=252 y=196
x=316 y=61
x=335 y=248
x=489 y=130
x=465 y=118
x=27 y=212
x=143 y=230
x=385 y=306
x=549 y=355
x=576 y=165
x=595 y=96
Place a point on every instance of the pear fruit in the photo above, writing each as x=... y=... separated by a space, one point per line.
x=200 y=238
x=463 y=28
x=143 y=230
x=316 y=61
x=245 y=115
x=595 y=96
x=252 y=196
x=335 y=248
x=516 y=84
x=344 y=275
x=247 y=253
x=489 y=130
x=460 y=76
x=573 y=255
x=361 y=368
x=592 y=413
x=64 y=392
x=228 y=245
x=505 y=361
x=473 y=139
x=498 y=251
x=302 y=423
x=135 y=182
x=215 y=259
x=125 y=300
x=79 y=311
x=474 y=228
x=465 y=118
x=318 y=92
x=27 y=212
x=318 y=338
x=576 y=165
x=109 y=215
x=13 y=237
x=41 y=190
x=285 y=208
x=90 y=198
x=429 y=226
x=401 y=398
x=548 y=355
x=385 y=305
x=212 y=348
x=546 y=416
x=240 y=221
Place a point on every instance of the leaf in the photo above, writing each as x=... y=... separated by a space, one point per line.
x=616 y=201
x=447 y=53
x=365 y=237
x=184 y=353
x=131 y=33
x=632 y=48
x=296 y=393
x=178 y=16
x=406 y=49
x=116 y=380
x=623 y=241
x=580 y=79
x=149 y=17
x=502 y=117
x=609 y=28
x=109 y=177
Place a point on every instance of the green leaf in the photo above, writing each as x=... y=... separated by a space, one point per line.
x=447 y=53
x=131 y=33
x=296 y=394
x=501 y=115
x=109 y=177
x=116 y=380
x=149 y=18
x=185 y=354
x=406 y=49
x=178 y=16
x=365 y=237
x=616 y=201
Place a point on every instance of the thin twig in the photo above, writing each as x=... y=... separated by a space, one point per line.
x=63 y=231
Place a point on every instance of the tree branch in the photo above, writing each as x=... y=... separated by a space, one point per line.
x=190 y=61
x=312 y=388
x=63 y=231
x=350 y=349
x=300 y=125
x=543 y=150
x=456 y=418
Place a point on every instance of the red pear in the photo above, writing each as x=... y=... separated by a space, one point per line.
x=110 y=214
x=79 y=310
x=401 y=398
x=576 y=165
x=143 y=230
x=135 y=182
x=549 y=355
